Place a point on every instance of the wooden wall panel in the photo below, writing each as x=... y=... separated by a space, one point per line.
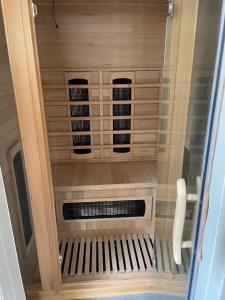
x=144 y=115
x=101 y=34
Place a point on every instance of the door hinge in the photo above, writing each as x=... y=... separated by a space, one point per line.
x=170 y=8
x=34 y=10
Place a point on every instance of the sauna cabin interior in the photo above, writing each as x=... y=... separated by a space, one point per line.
x=103 y=103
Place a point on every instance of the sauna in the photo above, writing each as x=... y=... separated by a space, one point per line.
x=106 y=100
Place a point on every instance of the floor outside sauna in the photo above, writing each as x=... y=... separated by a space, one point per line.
x=119 y=256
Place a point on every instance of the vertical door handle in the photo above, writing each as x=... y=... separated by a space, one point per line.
x=179 y=219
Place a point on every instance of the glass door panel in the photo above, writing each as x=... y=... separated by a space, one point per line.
x=184 y=115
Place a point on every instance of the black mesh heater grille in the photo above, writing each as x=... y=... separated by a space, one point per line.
x=121 y=139
x=121 y=124
x=104 y=209
x=122 y=93
x=80 y=140
x=79 y=110
x=80 y=94
x=121 y=110
x=83 y=125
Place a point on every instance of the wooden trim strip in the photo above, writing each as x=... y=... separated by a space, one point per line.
x=68 y=133
x=98 y=102
x=102 y=69
x=137 y=117
x=103 y=146
x=98 y=86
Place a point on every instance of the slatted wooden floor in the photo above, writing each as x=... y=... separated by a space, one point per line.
x=88 y=256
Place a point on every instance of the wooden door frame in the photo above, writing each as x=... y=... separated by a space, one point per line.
x=22 y=49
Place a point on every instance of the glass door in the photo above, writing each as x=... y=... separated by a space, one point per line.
x=186 y=97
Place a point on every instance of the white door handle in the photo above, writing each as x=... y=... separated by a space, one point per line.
x=179 y=219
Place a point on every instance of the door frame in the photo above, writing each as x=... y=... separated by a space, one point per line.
x=24 y=64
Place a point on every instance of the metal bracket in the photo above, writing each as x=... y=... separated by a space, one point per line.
x=60 y=259
x=34 y=10
x=170 y=8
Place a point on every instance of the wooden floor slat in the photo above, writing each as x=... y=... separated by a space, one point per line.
x=74 y=257
x=159 y=254
x=181 y=268
x=111 y=255
x=62 y=253
x=138 y=251
x=87 y=256
x=132 y=253
x=93 y=267
x=107 y=262
x=81 y=256
x=172 y=262
x=67 y=259
x=119 y=253
x=186 y=259
x=150 y=250
x=145 y=253
x=100 y=258
x=126 y=255
x=165 y=257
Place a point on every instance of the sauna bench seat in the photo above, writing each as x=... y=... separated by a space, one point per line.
x=103 y=175
x=87 y=189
